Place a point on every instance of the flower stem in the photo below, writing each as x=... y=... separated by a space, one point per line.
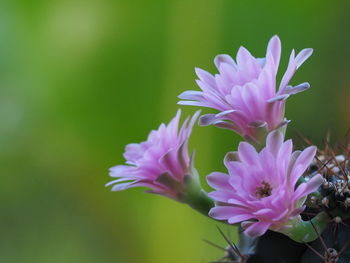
x=200 y=202
x=195 y=196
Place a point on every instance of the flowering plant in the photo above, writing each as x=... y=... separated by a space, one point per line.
x=268 y=189
x=160 y=163
x=245 y=91
x=261 y=187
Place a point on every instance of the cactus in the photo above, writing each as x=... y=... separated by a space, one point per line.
x=291 y=206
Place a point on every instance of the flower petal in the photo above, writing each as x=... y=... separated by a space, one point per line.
x=247 y=153
x=302 y=163
x=274 y=142
x=288 y=74
x=225 y=212
x=303 y=56
x=274 y=47
x=309 y=187
x=296 y=89
x=238 y=218
x=205 y=77
x=223 y=58
x=219 y=180
x=191 y=95
x=257 y=229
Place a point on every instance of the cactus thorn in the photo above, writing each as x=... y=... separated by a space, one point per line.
x=325 y=202
x=337 y=220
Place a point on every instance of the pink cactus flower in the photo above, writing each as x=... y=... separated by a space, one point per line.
x=161 y=163
x=260 y=190
x=244 y=91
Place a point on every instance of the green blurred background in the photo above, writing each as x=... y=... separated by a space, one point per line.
x=79 y=79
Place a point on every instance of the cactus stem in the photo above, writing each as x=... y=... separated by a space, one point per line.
x=306 y=231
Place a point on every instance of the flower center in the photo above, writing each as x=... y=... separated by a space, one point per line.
x=264 y=190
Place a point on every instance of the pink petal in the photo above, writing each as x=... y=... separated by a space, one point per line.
x=247 y=153
x=227 y=73
x=263 y=212
x=207 y=119
x=224 y=59
x=308 y=187
x=191 y=95
x=303 y=56
x=302 y=162
x=118 y=181
x=286 y=151
x=122 y=171
x=274 y=47
x=292 y=161
x=289 y=73
x=186 y=130
x=126 y=185
x=238 y=218
x=225 y=212
x=297 y=211
x=257 y=229
x=236 y=201
x=296 y=89
x=278 y=98
x=219 y=180
x=274 y=142
x=206 y=87
x=280 y=216
x=193 y=103
x=221 y=195
x=231 y=157
x=205 y=76
x=244 y=57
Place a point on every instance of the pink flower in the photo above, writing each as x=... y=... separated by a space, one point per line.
x=260 y=190
x=244 y=91
x=160 y=163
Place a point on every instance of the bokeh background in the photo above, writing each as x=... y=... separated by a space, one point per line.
x=79 y=79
